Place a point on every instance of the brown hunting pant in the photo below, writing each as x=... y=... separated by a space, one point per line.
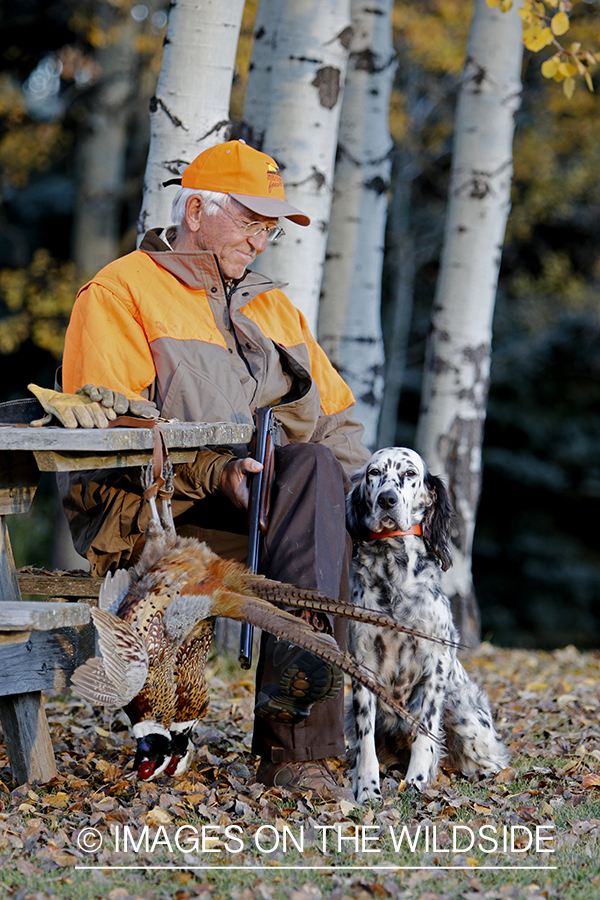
x=306 y=545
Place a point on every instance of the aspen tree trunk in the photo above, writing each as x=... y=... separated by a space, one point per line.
x=190 y=110
x=350 y=306
x=291 y=112
x=451 y=421
x=102 y=148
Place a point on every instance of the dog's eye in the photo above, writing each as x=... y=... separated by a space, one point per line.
x=374 y=472
x=411 y=474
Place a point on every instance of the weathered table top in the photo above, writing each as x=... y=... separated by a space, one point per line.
x=114 y=440
x=55 y=449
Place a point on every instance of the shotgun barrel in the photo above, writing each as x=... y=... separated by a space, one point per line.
x=258 y=511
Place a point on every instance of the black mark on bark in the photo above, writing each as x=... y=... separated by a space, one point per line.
x=327 y=82
x=156 y=102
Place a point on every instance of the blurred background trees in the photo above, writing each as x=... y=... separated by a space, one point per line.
x=76 y=80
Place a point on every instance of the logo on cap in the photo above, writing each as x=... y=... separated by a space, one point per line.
x=274 y=177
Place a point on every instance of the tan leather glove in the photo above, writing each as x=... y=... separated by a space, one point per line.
x=83 y=409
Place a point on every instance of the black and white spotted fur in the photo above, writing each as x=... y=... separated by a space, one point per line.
x=401 y=576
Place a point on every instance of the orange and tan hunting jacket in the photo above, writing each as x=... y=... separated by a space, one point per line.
x=163 y=325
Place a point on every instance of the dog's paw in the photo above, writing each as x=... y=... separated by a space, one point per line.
x=366 y=792
x=418 y=782
x=366 y=785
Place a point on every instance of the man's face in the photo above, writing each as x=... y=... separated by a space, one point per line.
x=223 y=234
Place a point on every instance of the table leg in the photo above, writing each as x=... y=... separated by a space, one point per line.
x=27 y=738
x=24 y=723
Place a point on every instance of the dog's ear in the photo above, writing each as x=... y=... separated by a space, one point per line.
x=357 y=508
x=438 y=520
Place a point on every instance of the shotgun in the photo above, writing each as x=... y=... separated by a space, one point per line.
x=263 y=450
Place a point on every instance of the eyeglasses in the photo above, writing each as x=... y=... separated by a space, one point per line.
x=252 y=229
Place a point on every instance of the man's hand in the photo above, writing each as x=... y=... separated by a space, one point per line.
x=234 y=481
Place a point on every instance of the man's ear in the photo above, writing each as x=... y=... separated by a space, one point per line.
x=193 y=213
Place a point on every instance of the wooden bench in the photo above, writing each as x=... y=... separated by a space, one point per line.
x=42 y=643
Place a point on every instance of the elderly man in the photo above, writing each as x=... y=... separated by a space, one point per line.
x=182 y=322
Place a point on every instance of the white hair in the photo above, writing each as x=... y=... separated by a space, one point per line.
x=210 y=200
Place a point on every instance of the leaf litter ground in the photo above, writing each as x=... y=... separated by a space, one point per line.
x=269 y=844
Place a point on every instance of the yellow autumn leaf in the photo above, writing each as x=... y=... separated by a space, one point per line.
x=58 y=800
x=550 y=67
x=63 y=858
x=101 y=731
x=567 y=69
x=536 y=38
x=26 y=808
x=493 y=3
x=588 y=80
x=472 y=862
x=347 y=806
x=157 y=816
x=536 y=685
x=590 y=781
x=559 y=23
x=505 y=5
x=530 y=34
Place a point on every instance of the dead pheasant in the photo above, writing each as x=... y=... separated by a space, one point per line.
x=155 y=624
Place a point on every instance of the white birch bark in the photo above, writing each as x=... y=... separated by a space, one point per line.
x=350 y=306
x=190 y=110
x=450 y=430
x=291 y=112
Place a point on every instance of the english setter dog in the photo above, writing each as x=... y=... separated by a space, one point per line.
x=401 y=516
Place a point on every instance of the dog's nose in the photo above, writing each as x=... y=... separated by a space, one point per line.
x=387 y=499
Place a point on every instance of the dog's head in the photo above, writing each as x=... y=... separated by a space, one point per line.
x=395 y=491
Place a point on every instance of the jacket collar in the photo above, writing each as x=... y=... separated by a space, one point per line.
x=200 y=270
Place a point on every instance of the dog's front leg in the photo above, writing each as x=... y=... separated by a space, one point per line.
x=427 y=744
x=366 y=771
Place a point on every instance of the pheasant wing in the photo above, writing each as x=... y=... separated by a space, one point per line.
x=121 y=673
x=113 y=590
x=91 y=682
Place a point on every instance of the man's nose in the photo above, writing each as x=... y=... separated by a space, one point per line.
x=258 y=241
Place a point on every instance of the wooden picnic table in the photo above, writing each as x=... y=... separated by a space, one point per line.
x=42 y=643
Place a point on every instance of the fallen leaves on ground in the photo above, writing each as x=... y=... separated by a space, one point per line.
x=547 y=712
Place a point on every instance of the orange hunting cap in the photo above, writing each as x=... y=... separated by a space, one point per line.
x=249 y=176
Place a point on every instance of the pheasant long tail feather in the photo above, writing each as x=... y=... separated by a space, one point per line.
x=275 y=621
x=289 y=595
